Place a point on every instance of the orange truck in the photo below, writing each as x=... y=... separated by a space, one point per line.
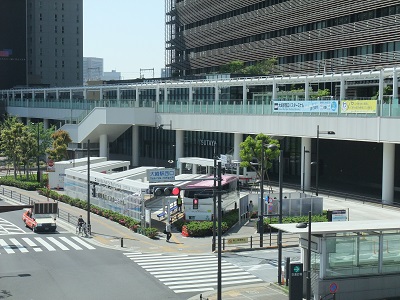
x=42 y=217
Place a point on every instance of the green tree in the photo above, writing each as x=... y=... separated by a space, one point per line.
x=13 y=134
x=251 y=152
x=233 y=67
x=61 y=139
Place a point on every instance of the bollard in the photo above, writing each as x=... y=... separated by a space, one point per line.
x=122 y=242
x=251 y=242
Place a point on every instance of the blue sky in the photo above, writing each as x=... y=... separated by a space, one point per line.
x=127 y=34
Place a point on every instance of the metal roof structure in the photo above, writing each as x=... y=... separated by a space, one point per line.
x=344 y=226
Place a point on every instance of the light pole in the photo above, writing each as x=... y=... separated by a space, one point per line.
x=280 y=218
x=38 y=153
x=304 y=165
x=309 y=258
x=262 y=202
x=317 y=162
x=159 y=126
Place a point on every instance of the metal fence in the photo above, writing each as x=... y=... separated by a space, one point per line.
x=253 y=242
x=24 y=199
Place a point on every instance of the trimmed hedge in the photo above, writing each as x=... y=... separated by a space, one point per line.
x=20 y=182
x=106 y=213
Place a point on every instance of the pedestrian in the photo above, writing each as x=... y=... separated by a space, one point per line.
x=168 y=230
x=179 y=203
x=250 y=209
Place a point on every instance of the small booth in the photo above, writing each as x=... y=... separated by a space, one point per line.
x=358 y=260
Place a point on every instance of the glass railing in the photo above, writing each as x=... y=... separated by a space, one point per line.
x=198 y=106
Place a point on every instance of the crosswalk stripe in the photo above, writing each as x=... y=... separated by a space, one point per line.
x=72 y=244
x=19 y=246
x=60 y=245
x=90 y=247
x=191 y=273
x=44 y=243
x=6 y=246
x=32 y=244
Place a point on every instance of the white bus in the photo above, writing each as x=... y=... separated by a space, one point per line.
x=198 y=197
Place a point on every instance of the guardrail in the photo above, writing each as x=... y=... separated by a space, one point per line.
x=24 y=199
x=253 y=242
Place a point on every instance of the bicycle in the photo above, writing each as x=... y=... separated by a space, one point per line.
x=82 y=229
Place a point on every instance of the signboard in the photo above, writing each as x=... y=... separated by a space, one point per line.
x=244 y=240
x=50 y=166
x=296 y=281
x=358 y=106
x=318 y=106
x=333 y=288
x=160 y=175
x=337 y=215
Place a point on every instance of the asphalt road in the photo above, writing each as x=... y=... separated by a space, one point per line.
x=62 y=265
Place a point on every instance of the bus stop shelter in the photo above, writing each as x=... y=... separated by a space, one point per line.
x=358 y=260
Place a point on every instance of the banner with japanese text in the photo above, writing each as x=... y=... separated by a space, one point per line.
x=317 y=106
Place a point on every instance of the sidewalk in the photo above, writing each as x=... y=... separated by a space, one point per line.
x=109 y=234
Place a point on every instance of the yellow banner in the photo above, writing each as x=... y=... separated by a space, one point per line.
x=358 y=106
x=238 y=240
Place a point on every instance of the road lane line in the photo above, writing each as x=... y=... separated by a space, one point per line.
x=60 y=245
x=83 y=243
x=32 y=244
x=44 y=243
x=19 y=246
x=72 y=244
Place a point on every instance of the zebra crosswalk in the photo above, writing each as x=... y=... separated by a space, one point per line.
x=191 y=273
x=7 y=227
x=40 y=244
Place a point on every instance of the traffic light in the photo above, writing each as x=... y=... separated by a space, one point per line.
x=195 y=203
x=167 y=191
x=94 y=190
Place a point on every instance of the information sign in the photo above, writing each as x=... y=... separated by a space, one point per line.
x=296 y=281
x=160 y=175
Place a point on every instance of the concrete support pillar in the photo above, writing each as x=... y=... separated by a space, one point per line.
x=157 y=95
x=103 y=145
x=305 y=163
x=342 y=88
x=191 y=94
x=307 y=90
x=238 y=138
x=194 y=169
x=118 y=93
x=46 y=124
x=137 y=95
x=28 y=121
x=381 y=85
x=244 y=94
x=395 y=94
x=274 y=91
x=388 y=173
x=135 y=146
x=216 y=91
x=179 y=144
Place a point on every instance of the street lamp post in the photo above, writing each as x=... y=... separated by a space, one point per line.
x=309 y=258
x=304 y=166
x=280 y=217
x=38 y=153
x=261 y=216
x=317 y=162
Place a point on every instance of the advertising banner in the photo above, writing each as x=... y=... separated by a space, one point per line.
x=358 y=106
x=318 y=106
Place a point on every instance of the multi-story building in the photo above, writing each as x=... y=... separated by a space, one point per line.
x=304 y=36
x=92 y=69
x=46 y=44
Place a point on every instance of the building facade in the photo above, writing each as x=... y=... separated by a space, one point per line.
x=46 y=44
x=92 y=69
x=304 y=36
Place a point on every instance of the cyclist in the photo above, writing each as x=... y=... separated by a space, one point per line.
x=80 y=223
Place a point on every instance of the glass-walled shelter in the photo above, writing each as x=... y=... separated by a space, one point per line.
x=361 y=257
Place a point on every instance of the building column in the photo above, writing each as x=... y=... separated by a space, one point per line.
x=305 y=163
x=103 y=145
x=28 y=121
x=395 y=96
x=244 y=95
x=179 y=144
x=191 y=94
x=238 y=138
x=135 y=146
x=306 y=90
x=46 y=124
x=137 y=95
x=194 y=169
x=342 y=88
x=388 y=173
x=274 y=91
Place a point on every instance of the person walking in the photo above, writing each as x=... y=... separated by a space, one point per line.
x=168 y=230
x=250 y=209
x=179 y=203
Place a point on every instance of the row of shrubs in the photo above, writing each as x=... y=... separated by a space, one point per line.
x=106 y=213
x=293 y=219
x=21 y=182
x=205 y=228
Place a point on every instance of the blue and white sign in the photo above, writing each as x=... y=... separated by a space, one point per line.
x=318 y=106
x=161 y=175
